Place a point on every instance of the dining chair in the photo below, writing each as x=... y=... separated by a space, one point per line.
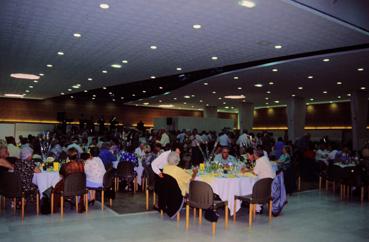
x=125 y=171
x=352 y=177
x=201 y=196
x=11 y=187
x=261 y=194
x=149 y=186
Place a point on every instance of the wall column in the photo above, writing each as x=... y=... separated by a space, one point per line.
x=359 y=118
x=296 y=112
x=211 y=112
x=246 y=116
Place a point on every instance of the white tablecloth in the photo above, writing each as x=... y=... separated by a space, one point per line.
x=44 y=180
x=138 y=169
x=227 y=188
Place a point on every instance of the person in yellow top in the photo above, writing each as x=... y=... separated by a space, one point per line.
x=180 y=175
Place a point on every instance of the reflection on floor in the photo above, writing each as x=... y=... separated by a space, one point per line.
x=309 y=216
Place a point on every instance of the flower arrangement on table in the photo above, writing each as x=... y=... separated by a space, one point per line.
x=50 y=164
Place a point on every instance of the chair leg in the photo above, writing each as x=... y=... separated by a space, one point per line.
x=76 y=203
x=226 y=215
x=334 y=187
x=1 y=203
x=37 y=203
x=326 y=185
x=147 y=200
x=142 y=184
x=320 y=183
x=110 y=202
x=187 y=216
x=102 y=199
x=200 y=215
x=234 y=211
x=299 y=183
x=154 y=199
x=61 y=206
x=270 y=210
x=86 y=202
x=213 y=228
x=15 y=205
x=178 y=216
x=343 y=191
x=22 y=207
x=161 y=213
x=52 y=203
x=135 y=185
x=362 y=194
x=194 y=214
x=251 y=212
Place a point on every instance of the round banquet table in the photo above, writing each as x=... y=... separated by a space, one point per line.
x=227 y=188
x=45 y=179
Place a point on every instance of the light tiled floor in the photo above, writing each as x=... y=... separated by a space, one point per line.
x=309 y=216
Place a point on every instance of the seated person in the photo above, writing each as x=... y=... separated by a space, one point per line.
x=95 y=171
x=106 y=155
x=129 y=156
x=224 y=157
x=284 y=160
x=5 y=165
x=322 y=154
x=25 y=168
x=182 y=177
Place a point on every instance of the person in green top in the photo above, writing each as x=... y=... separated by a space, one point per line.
x=284 y=160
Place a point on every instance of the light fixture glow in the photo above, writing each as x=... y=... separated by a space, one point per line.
x=214 y=58
x=339 y=83
x=179 y=69
x=77 y=35
x=104 y=88
x=31 y=87
x=268 y=92
x=362 y=88
x=300 y=88
x=89 y=79
x=35 y=81
x=124 y=61
x=41 y=74
x=326 y=60
x=60 y=53
x=187 y=96
x=235 y=78
x=214 y=92
x=85 y=91
x=246 y=3
x=274 y=70
x=104 y=6
x=271 y=83
x=160 y=87
x=293 y=95
x=116 y=65
x=49 y=65
x=152 y=77
x=239 y=88
x=310 y=77
x=205 y=83
x=258 y=85
x=69 y=90
x=153 y=47
x=62 y=93
x=360 y=69
x=278 y=47
x=104 y=71
x=13 y=95
x=24 y=76
x=166 y=105
x=235 y=96
x=325 y=92
x=196 y=26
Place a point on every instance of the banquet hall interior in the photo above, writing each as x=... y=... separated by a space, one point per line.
x=216 y=120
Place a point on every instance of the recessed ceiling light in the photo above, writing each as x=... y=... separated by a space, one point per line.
x=133 y=95
x=27 y=91
x=278 y=47
x=310 y=77
x=41 y=74
x=276 y=101
x=235 y=97
x=104 y=88
x=85 y=91
x=35 y=81
x=207 y=105
x=124 y=61
x=339 y=97
x=293 y=95
x=192 y=95
x=326 y=60
x=69 y=90
x=166 y=105
x=201 y=101
x=30 y=86
x=239 y=88
x=300 y=88
x=146 y=103
x=60 y=53
x=224 y=103
x=268 y=92
x=160 y=88
x=184 y=103
x=311 y=99
x=174 y=98
x=187 y=96
x=258 y=85
x=360 y=69
x=143 y=91
x=179 y=69
x=104 y=6
x=271 y=83
x=104 y=71
x=266 y=103
x=339 y=83
x=274 y=70
x=122 y=98
x=153 y=47
x=13 y=95
x=196 y=26
x=62 y=93
x=160 y=101
x=219 y=98
x=77 y=35
x=214 y=92
x=246 y=3
x=235 y=78
x=325 y=92
x=49 y=65
x=76 y=86
x=349 y=94
x=362 y=88
x=94 y=95
x=205 y=83
x=116 y=65
x=110 y=93
x=152 y=77
x=267 y=98
x=71 y=97
x=24 y=76
x=214 y=58
x=89 y=79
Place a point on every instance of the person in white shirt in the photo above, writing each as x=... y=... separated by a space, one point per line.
x=13 y=150
x=164 y=140
x=75 y=145
x=322 y=154
x=140 y=151
x=95 y=171
x=263 y=169
x=224 y=140
x=158 y=164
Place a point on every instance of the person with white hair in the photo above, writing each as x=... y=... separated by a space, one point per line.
x=182 y=177
x=25 y=168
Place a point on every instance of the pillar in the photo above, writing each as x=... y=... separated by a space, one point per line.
x=211 y=112
x=246 y=116
x=359 y=118
x=296 y=112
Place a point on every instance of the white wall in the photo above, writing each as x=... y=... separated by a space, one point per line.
x=16 y=129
